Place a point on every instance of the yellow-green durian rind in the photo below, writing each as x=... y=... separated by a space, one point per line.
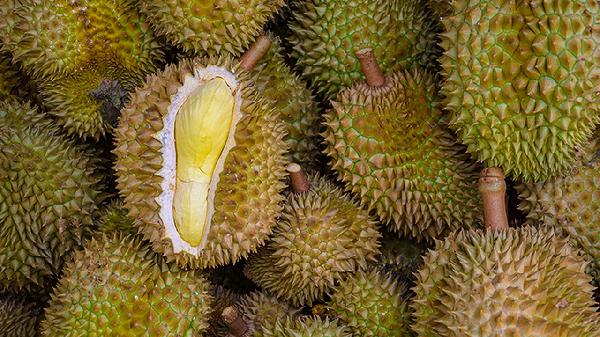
x=264 y=310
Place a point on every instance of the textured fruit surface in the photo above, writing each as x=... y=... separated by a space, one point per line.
x=113 y=218
x=264 y=310
x=522 y=81
x=9 y=77
x=326 y=34
x=391 y=147
x=48 y=192
x=441 y=8
x=248 y=193
x=18 y=318
x=213 y=27
x=306 y=327
x=372 y=304
x=115 y=288
x=322 y=236
x=223 y=298
x=515 y=282
x=400 y=257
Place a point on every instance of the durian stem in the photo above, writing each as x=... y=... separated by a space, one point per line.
x=256 y=52
x=369 y=66
x=493 y=189
x=298 y=178
x=237 y=326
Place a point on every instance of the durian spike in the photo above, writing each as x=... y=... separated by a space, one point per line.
x=493 y=189
x=298 y=178
x=370 y=67
x=256 y=52
x=237 y=326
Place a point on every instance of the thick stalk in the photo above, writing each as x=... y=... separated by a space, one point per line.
x=369 y=66
x=298 y=179
x=493 y=190
x=255 y=53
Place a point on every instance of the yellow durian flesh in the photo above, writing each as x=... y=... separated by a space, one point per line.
x=202 y=127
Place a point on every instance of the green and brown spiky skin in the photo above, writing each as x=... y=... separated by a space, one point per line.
x=400 y=257
x=327 y=33
x=223 y=298
x=114 y=287
x=9 y=77
x=306 y=327
x=391 y=147
x=372 y=303
x=114 y=219
x=48 y=193
x=513 y=282
x=249 y=192
x=264 y=310
x=571 y=204
x=294 y=102
x=441 y=8
x=522 y=82
x=214 y=27
x=18 y=318
x=322 y=236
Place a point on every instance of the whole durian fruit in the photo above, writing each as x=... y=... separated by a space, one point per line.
x=400 y=257
x=199 y=134
x=262 y=311
x=372 y=303
x=522 y=81
x=115 y=287
x=327 y=32
x=322 y=236
x=389 y=143
x=513 y=282
x=113 y=218
x=73 y=48
x=48 y=193
x=210 y=27
x=18 y=317
x=306 y=327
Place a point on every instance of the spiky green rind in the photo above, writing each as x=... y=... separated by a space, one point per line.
x=391 y=147
x=400 y=257
x=441 y=8
x=9 y=77
x=306 y=327
x=223 y=298
x=372 y=303
x=522 y=82
x=248 y=195
x=326 y=34
x=18 y=318
x=520 y=282
x=294 y=102
x=114 y=287
x=322 y=236
x=570 y=204
x=48 y=193
x=114 y=219
x=214 y=27
x=264 y=310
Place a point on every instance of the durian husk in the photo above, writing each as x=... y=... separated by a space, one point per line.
x=113 y=218
x=18 y=317
x=441 y=8
x=248 y=195
x=400 y=257
x=517 y=282
x=306 y=327
x=264 y=310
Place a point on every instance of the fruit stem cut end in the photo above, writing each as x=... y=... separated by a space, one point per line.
x=298 y=179
x=236 y=325
x=369 y=66
x=255 y=53
x=493 y=189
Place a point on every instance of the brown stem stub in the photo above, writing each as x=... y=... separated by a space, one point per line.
x=369 y=66
x=493 y=189
x=298 y=178
x=256 y=52
x=237 y=326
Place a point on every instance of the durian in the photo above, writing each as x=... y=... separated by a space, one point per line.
x=389 y=143
x=114 y=219
x=9 y=78
x=200 y=163
x=213 y=27
x=522 y=81
x=512 y=282
x=48 y=193
x=400 y=257
x=322 y=236
x=441 y=8
x=223 y=298
x=18 y=317
x=263 y=310
x=115 y=287
x=307 y=327
x=326 y=33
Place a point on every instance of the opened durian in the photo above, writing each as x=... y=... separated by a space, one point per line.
x=522 y=81
x=200 y=163
x=18 y=317
x=306 y=327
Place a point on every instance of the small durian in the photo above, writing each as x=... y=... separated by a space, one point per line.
x=306 y=327
x=522 y=82
x=322 y=236
x=49 y=191
x=389 y=143
x=114 y=219
x=200 y=163
x=326 y=33
x=262 y=310
x=210 y=27
x=400 y=257
x=372 y=303
x=223 y=298
x=18 y=317
x=115 y=287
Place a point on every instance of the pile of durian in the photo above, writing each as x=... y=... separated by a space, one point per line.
x=303 y=168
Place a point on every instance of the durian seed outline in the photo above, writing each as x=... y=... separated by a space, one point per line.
x=168 y=151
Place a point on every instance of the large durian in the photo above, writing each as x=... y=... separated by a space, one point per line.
x=72 y=48
x=513 y=282
x=522 y=81
x=18 y=317
x=306 y=327
x=322 y=236
x=48 y=193
x=213 y=27
x=116 y=287
x=200 y=163
x=388 y=140
x=326 y=33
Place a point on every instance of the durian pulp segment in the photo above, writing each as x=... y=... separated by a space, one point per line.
x=202 y=127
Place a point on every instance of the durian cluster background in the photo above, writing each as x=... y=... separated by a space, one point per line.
x=298 y=168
